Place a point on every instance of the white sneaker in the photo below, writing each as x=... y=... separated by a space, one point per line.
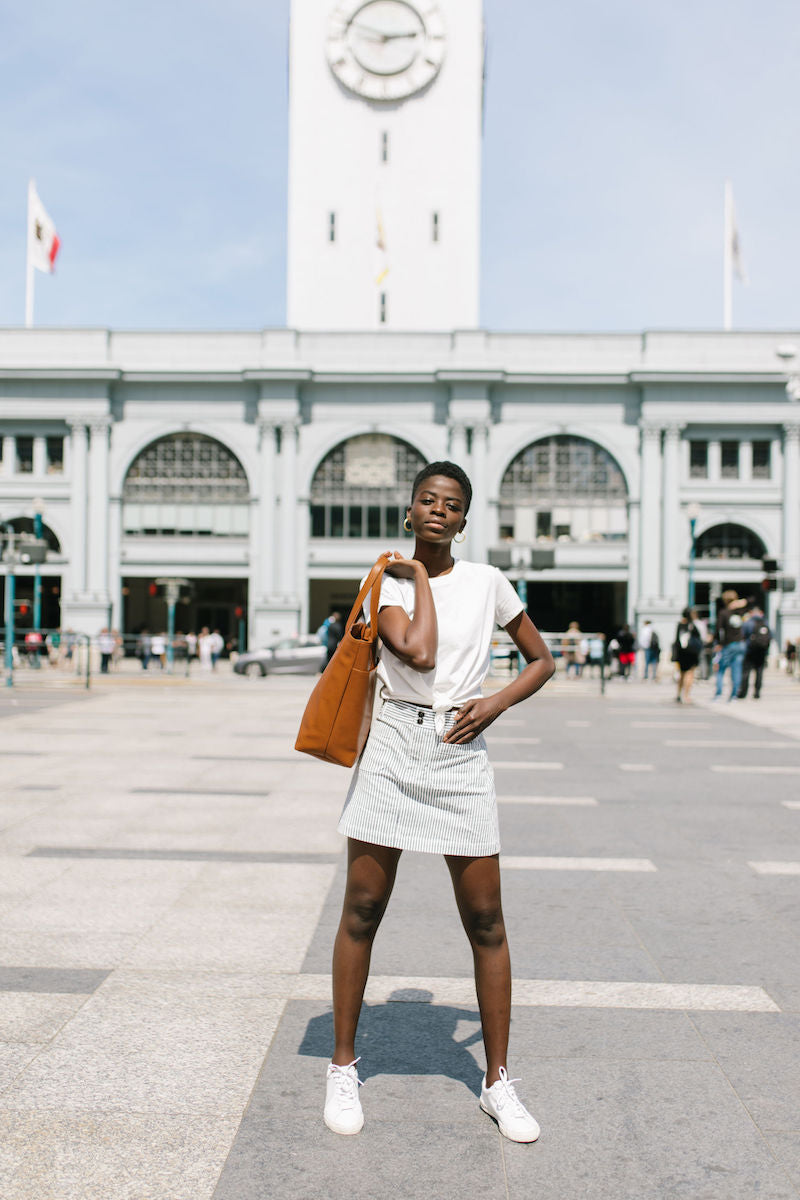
x=343 y=1111
x=502 y=1102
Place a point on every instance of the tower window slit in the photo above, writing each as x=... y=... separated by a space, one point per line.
x=435 y=227
x=382 y=315
x=384 y=147
x=332 y=227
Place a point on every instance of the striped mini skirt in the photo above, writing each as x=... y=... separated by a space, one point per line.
x=413 y=791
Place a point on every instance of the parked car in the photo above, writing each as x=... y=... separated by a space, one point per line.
x=293 y=655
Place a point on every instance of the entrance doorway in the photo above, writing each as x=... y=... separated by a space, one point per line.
x=211 y=602
x=597 y=607
x=23 y=597
x=325 y=594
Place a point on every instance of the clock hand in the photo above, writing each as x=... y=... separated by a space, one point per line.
x=379 y=35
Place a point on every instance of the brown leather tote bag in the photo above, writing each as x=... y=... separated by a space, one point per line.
x=336 y=721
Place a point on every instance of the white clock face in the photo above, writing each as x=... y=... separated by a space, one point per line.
x=385 y=49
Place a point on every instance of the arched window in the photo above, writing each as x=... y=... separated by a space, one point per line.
x=26 y=525
x=730 y=541
x=188 y=485
x=363 y=487
x=566 y=489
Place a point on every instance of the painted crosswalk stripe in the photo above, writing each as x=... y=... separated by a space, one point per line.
x=528 y=766
x=791 y=804
x=750 y=769
x=567 y=801
x=540 y=993
x=729 y=744
x=775 y=868
x=578 y=724
x=670 y=724
x=525 y=863
x=494 y=740
x=636 y=767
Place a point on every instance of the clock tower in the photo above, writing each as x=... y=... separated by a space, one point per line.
x=385 y=100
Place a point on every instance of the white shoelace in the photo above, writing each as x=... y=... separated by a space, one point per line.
x=344 y=1078
x=508 y=1093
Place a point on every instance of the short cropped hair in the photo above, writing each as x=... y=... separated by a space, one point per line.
x=450 y=471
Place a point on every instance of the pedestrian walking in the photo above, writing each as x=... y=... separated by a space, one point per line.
x=158 y=649
x=144 y=648
x=334 y=633
x=570 y=650
x=106 y=644
x=757 y=635
x=730 y=643
x=424 y=782
x=216 y=645
x=627 y=651
x=686 y=651
x=596 y=655
x=204 y=648
x=650 y=644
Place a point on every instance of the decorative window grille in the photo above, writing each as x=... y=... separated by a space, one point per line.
x=729 y=454
x=568 y=488
x=186 y=484
x=363 y=487
x=730 y=541
x=698 y=460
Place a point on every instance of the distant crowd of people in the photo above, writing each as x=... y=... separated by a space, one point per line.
x=736 y=650
x=205 y=647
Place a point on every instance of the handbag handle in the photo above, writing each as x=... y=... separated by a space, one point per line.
x=375 y=576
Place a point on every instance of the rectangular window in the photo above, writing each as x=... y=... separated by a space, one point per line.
x=729 y=460
x=55 y=455
x=435 y=227
x=355 y=521
x=698 y=460
x=384 y=147
x=762 y=460
x=563 y=531
x=25 y=455
x=382 y=313
x=544 y=524
x=337 y=520
x=332 y=227
x=317 y=520
x=394 y=521
x=373 y=521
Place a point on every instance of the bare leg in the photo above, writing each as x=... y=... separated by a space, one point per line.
x=371 y=872
x=687 y=686
x=476 y=882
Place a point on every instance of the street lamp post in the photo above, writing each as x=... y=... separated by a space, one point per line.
x=693 y=512
x=9 y=558
x=172 y=592
x=38 y=510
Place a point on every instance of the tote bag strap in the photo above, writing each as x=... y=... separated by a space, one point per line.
x=373 y=583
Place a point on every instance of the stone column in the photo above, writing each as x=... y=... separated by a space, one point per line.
x=670 y=537
x=287 y=512
x=97 y=573
x=650 y=512
x=266 y=581
x=634 y=543
x=39 y=457
x=79 y=447
x=477 y=520
x=458 y=443
x=714 y=461
x=9 y=455
x=791 y=508
x=745 y=462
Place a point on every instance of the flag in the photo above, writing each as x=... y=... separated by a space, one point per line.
x=735 y=249
x=43 y=241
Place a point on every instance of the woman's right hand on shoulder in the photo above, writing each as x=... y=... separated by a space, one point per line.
x=402 y=568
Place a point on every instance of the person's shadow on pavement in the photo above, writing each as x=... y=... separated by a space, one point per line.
x=408 y=1035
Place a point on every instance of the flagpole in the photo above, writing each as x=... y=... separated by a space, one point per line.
x=30 y=270
x=727 y=260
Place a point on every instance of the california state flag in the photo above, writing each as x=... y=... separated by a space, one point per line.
x=43 y=241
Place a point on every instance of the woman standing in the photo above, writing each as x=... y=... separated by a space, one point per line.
x=686 y=652
x=424 y=781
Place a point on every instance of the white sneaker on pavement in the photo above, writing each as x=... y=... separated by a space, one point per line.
x=502 y=1102
x=343 y=1111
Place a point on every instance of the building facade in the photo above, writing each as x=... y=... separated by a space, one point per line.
x=269 y=469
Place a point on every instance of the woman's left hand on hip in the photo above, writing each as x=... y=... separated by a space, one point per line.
x=472 y=718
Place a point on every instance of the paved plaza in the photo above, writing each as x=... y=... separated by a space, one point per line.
x=170 y=882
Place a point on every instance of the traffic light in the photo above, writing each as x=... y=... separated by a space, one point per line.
x=152 y=589
x=769 y=584
x=23 y=608
x=770 y=566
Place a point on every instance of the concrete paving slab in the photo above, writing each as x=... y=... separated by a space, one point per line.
x=26 y=1017
x=760 y=1059
x=786 y=1148
x=14 y=1057
x=149 y=1043
x=641 y=1131
x=124 y=1156
x=86 y=949
x=50 y=979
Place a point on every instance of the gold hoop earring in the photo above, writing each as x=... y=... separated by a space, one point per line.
x=407 y=526
x=460 y=538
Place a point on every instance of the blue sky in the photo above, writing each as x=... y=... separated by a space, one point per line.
x=157 y=136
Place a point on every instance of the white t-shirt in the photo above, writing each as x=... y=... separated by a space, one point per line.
x=470 y=601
